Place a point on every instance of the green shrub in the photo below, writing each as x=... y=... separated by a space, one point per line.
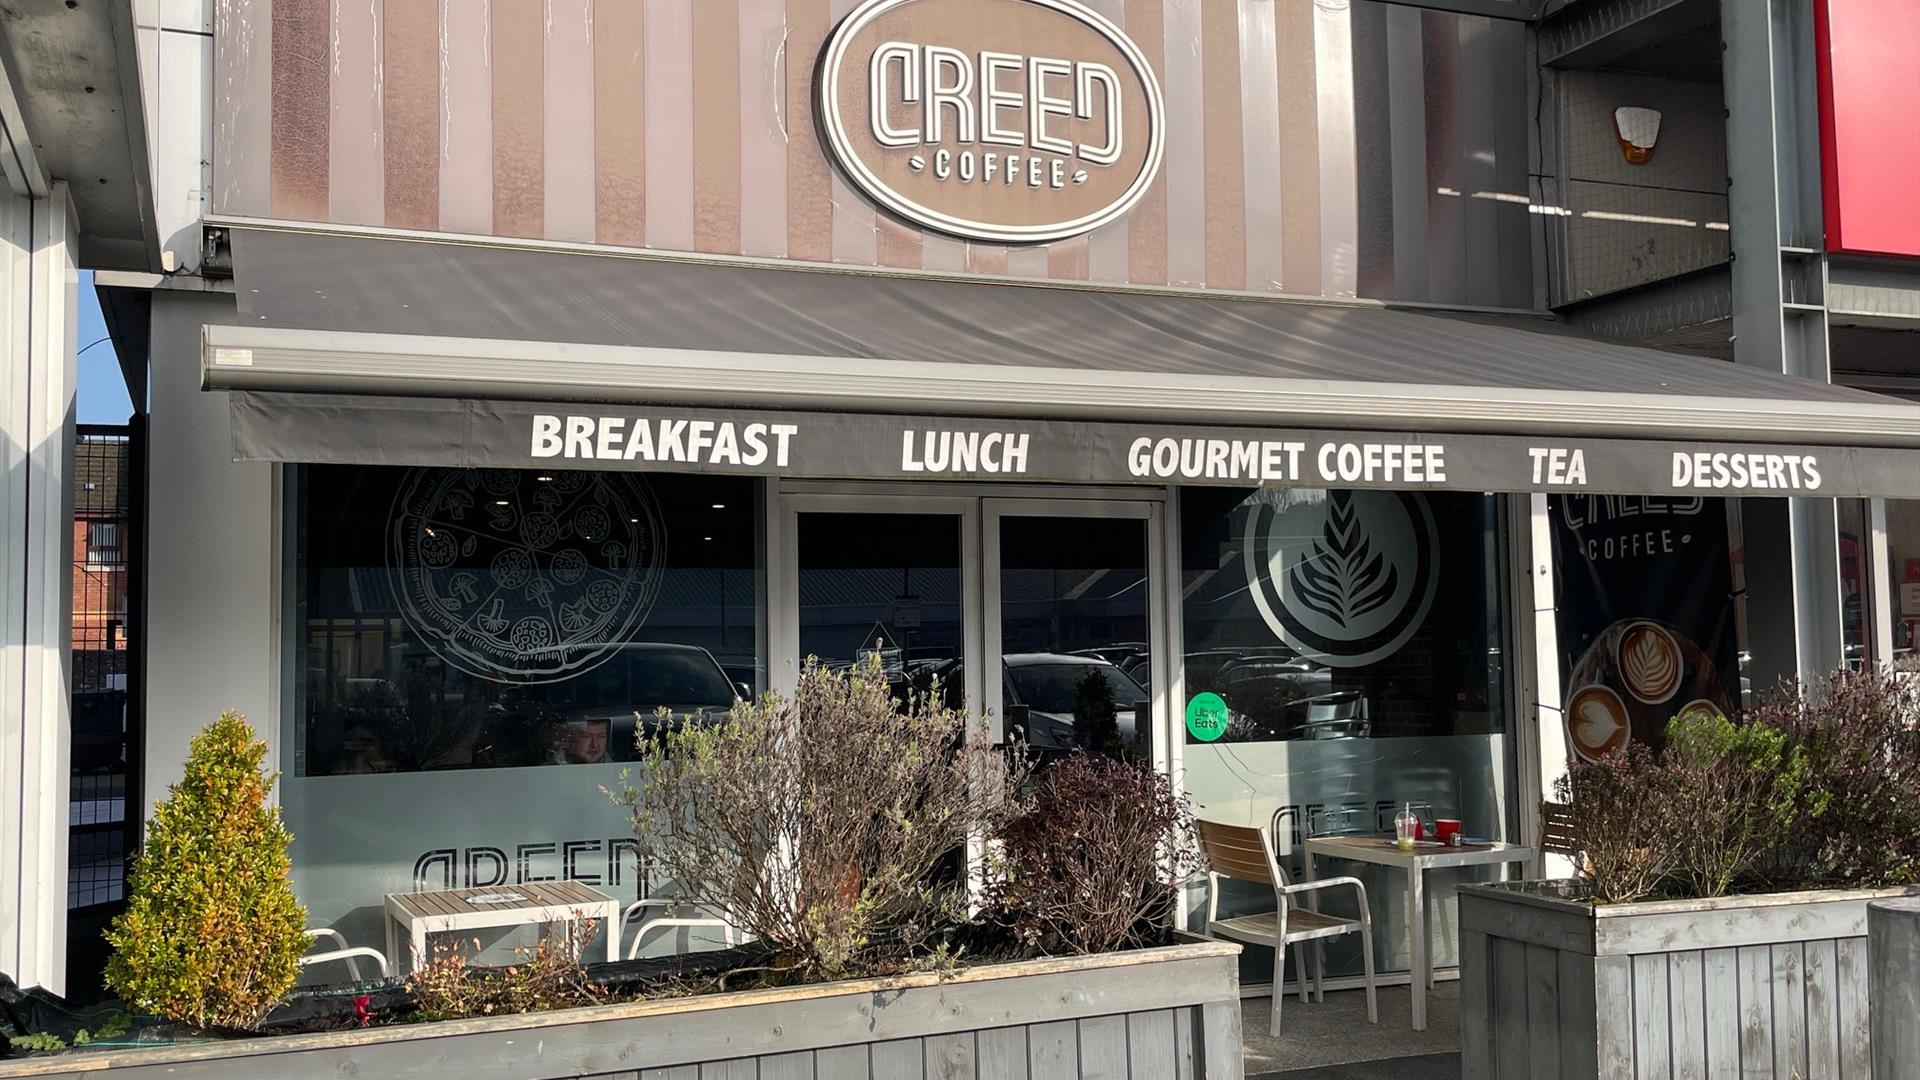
x=1736 y=789
x=212 y=935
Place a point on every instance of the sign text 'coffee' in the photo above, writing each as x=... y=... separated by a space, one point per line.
x=1010 y=121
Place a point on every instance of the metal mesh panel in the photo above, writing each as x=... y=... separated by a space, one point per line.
x=1644 y=172
x=98 y=821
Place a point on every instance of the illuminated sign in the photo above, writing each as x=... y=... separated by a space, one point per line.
x=1012 y=121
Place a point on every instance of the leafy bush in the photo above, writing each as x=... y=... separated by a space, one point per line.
x=112 y=1027
x=1818 y=786
x=212 y=935
x=1857 y=821
x=1624 y=810
x=1095 y=859
x=1735 y=791
x=549 y=975
x=827 y=826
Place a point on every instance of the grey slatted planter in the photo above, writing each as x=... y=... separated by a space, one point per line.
x=1151 y=1014
x=1742 y=986
x=1893 y=936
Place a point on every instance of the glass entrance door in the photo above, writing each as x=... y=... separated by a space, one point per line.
x=1071 y=625
x=1038 y=614
x=889 y=579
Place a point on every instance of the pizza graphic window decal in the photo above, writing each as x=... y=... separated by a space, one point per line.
x=524 y=578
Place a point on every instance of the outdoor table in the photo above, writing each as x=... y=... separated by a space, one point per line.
x=530 y=904
x=1426 y=855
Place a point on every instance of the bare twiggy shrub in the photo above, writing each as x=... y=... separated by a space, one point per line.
x=1623 y=812
x=549 y=975
x=832 y=826
x=1096 y=858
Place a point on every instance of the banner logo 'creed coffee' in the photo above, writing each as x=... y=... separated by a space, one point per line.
x=1011 y=121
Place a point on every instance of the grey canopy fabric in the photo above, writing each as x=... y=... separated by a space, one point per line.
x=322 y=311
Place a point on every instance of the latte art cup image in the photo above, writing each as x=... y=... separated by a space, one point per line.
x=1597 y=721
x=1634 y=676
x=1650 y=662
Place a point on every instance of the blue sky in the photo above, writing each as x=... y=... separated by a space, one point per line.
x=102 y=393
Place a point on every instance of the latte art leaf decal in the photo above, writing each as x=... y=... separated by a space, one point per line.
x=1651 y=666
x=1344 y=578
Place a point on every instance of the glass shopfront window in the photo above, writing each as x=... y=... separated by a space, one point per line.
x=1851 y=516
x=454 y=635
x=1903 y=576
x=1346 y=653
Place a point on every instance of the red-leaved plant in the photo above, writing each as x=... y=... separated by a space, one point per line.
x=1858 y=821
x=1095 y=858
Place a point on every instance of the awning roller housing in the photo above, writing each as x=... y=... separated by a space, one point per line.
x=494 y=332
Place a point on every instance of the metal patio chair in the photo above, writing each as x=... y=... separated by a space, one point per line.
x=671 y=919
x=349 y=954
x=1243 y=853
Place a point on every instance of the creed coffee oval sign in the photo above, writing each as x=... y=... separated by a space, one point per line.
x=1012 y=121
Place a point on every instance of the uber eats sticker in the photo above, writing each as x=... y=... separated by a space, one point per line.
x=1207 y=716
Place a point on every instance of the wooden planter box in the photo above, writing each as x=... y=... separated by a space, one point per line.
x=1552 y=986
x=1151 y=1014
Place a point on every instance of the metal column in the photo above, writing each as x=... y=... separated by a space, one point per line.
x=38 y=241
x=1780 y=318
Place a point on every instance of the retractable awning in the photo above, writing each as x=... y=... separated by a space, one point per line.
x=405 y=351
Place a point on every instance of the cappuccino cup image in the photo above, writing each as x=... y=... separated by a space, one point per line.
x=1597 y=721
x=1700 y=708
x=1650 y=662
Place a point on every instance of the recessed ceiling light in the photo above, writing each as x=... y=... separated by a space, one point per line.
x=500 y=502
x=719 y=506
x=543 y=479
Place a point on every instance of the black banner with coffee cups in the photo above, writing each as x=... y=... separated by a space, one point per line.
x=1644 y=610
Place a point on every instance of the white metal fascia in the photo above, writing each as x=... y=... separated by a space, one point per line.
x=25 y=175
x=262 y=358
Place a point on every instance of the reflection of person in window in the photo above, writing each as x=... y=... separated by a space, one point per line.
x=363 y=752
x=583 y=742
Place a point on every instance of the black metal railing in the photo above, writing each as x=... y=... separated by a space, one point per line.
x=103 y=807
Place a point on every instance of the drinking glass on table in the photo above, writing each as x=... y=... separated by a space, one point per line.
x=1424 y=812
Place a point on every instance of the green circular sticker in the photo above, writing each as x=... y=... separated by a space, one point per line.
x=1207 y=716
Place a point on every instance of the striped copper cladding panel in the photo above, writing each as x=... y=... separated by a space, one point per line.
x=1314 y=147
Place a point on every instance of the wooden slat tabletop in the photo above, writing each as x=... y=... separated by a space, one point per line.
x=532 y=894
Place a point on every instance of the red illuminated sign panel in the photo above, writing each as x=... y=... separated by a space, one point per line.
x=1869 y=140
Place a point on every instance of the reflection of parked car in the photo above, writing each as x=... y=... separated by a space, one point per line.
x=1131 y=657
x=1279 y=695
x=1046 y=687
x=640 y=679
x=1048 y=684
